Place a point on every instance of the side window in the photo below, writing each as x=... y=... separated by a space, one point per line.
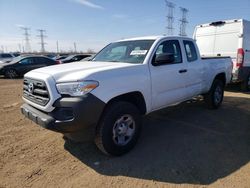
x=190 y=51
x=41 y=60
x=6 y=56
x=26 y=61
x=170 y=47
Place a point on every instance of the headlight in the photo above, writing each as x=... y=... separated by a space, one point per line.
x=76 y=88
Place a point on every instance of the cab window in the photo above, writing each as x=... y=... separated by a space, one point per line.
x=190 y=51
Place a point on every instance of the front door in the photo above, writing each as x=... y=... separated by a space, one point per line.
x=168 y=80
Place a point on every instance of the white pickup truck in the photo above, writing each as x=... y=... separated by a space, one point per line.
x=124 y=81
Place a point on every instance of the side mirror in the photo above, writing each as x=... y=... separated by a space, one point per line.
x=164 y=58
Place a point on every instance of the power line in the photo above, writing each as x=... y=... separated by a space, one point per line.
x=183 y=21
x=26 y=38
x=170 y=17
x=42 y=36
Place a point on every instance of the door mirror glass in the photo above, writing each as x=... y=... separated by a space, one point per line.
x=164 y=58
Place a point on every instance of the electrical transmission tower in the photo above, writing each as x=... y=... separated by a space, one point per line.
x=42 y=36
x=183 y=22
x=170 y=17
x=26 y=38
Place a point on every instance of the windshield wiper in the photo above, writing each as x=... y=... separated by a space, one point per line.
x=114 y=61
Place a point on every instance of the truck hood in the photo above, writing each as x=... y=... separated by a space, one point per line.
x=78 y=70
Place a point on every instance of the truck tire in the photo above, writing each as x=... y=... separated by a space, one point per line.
x=245 y=85
x=10 y=73
x=119 y=128
x=214 y=97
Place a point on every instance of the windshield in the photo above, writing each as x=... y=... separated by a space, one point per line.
x=16 y=59
x=125 y=51
x=69 y=57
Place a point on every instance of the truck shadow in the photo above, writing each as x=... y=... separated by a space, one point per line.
x=182 y=144
x=236 y=89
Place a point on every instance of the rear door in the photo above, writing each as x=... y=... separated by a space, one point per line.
x=246 y=43
x=169 y=80
x=219 y=38
x=195 y=69
x=39 y=62
x=205 y=39
x=24 y=65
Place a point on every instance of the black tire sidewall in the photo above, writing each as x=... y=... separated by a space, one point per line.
x=114 y=112
x=215 y=85
x=6 y=74
x=244 y=85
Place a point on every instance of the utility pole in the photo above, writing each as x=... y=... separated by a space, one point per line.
x=170 y=17
x=75 y=47
x=183 y=22
x=26 y=38
x=42 y=36
x=57 y=47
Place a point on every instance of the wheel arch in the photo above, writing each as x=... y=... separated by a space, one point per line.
x=136 y=98
x=221 y=76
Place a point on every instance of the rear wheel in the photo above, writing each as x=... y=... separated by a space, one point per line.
x=245 y=86
x=214 y=97
x=11 y=73
x=118 y=129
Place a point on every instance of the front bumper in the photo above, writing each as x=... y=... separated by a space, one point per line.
x=71 y=114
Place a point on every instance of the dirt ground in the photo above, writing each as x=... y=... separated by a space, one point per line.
x=183 y=146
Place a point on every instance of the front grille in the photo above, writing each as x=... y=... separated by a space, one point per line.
x=35 y=91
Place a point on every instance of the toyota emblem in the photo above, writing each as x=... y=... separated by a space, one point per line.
x=31 y=88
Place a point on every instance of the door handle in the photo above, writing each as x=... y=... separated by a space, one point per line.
x=182 y=71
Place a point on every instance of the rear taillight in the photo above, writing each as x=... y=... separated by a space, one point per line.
x=58 y=62
x=240 y=57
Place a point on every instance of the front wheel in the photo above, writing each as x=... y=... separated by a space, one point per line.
x=118 y=129
x=11 y=73
x=214 y=97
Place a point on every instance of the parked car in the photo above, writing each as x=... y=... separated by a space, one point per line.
x=126 y=80
x=73 y=58
x=60 y=57
x=228 y=38
x=6 y=57
x=16 y=54
x=90 y=58
x=23 y=64
x=50 y=55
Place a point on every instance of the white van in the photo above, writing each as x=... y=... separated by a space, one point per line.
x=227 y=38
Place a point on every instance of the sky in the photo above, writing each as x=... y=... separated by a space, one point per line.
x=92 y=24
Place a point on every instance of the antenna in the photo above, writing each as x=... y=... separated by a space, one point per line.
x=42 y=36
x=170 y=17
x=26 y=38
x=183 y=22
